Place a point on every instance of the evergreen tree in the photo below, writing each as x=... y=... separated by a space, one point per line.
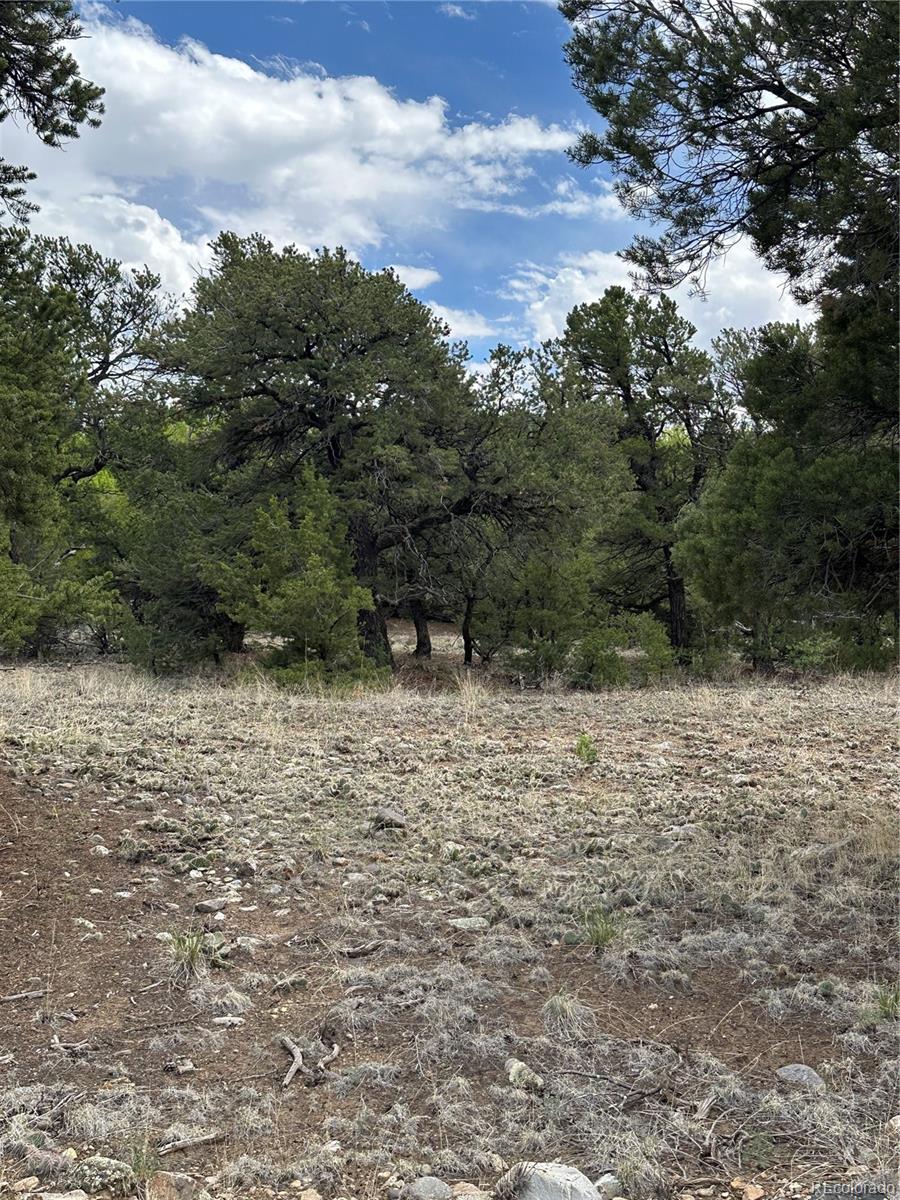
x=636 y=362
x=40 y=84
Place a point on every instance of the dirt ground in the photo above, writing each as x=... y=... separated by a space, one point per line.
x=654 y=925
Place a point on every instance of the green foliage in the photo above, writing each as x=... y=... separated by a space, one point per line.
x=600 y=928
x=777 y=540
x=586 y=749
x=852 y=646
x=46 y=593
x=631 y=648
x=295 y=582
x=40 y=84
x=635 y=359
x=289 y=358
x=190 y=952
x=781 y=118
x=887 y=1001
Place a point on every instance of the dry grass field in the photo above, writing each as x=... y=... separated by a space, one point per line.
x=497 y=926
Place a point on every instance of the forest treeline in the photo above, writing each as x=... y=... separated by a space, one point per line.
x=298 y=451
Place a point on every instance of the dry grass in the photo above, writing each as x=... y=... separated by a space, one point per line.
x=747 y=830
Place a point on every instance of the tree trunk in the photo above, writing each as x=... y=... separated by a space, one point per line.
x=423 y=638
x=678 y=616
x=233 y=635
x=468 y=644
x=370 y=622
x=374 y=633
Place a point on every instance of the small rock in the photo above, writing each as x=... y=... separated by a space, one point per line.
x=894 y=1125
x=28 y=1184
x=522 y=1076
x=310 y=1194
x=546 y=1181
x=388 y=818
x=99 y=851
x=170 y=1185
x=46 y=1164
x=468 y=1189
x=608 y=1186
x=799 y=1075
x=427 y=1188
x=96 y=1173
x=77 y=1195
x=469 y=924
x=210 y=906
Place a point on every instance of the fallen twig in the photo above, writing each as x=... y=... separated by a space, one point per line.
x=189 y=1143
x=35 y=995
x=329 y=1058
x=297 y=1064
x=364 y=949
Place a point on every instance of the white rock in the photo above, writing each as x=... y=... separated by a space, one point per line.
x=469 y=924
x=608 y=1186
x=800 y=1075
x=547 y=1181
x=427 y=1188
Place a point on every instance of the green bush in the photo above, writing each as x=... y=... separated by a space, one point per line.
x=713 y=662
x=632 y=648
x=586 y=749
x=854 y=646
x=294 y=581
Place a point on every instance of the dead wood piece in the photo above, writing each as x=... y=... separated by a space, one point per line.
x=364 y=949
x=328 y=1058
x=68 y=1047
x=35 y=995
x=189 y=1143
x=297 y=1064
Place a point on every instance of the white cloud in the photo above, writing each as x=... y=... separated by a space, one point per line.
x=456 y=10
x=569 y=200
x=464 y=322
x=740 y=292
x=416 y=278
x=193 y=141
x=133 y=233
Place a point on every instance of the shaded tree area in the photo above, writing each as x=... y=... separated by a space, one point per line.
x=298 y=452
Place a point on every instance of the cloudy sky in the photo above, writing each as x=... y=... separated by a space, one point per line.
x=427 y=136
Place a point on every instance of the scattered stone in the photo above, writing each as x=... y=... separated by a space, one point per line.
x=76 y=1195
x=469 y=924
x=799 y=1075
x=180 y=1066
x=388 y=818
x=46 y=1164
x=99 y=851
x=609 y=1187
x=546 y=1181
x=28 y=1184
x=427 y=1188
x=894 y=1125
x=522 y=1076
x=210 y=906
x=468 y=1189
x=170 y=1185
x=96 y=1173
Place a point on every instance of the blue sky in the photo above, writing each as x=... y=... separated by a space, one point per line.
x=427 y=136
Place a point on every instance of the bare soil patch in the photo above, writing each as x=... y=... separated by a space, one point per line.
x=657 y=931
